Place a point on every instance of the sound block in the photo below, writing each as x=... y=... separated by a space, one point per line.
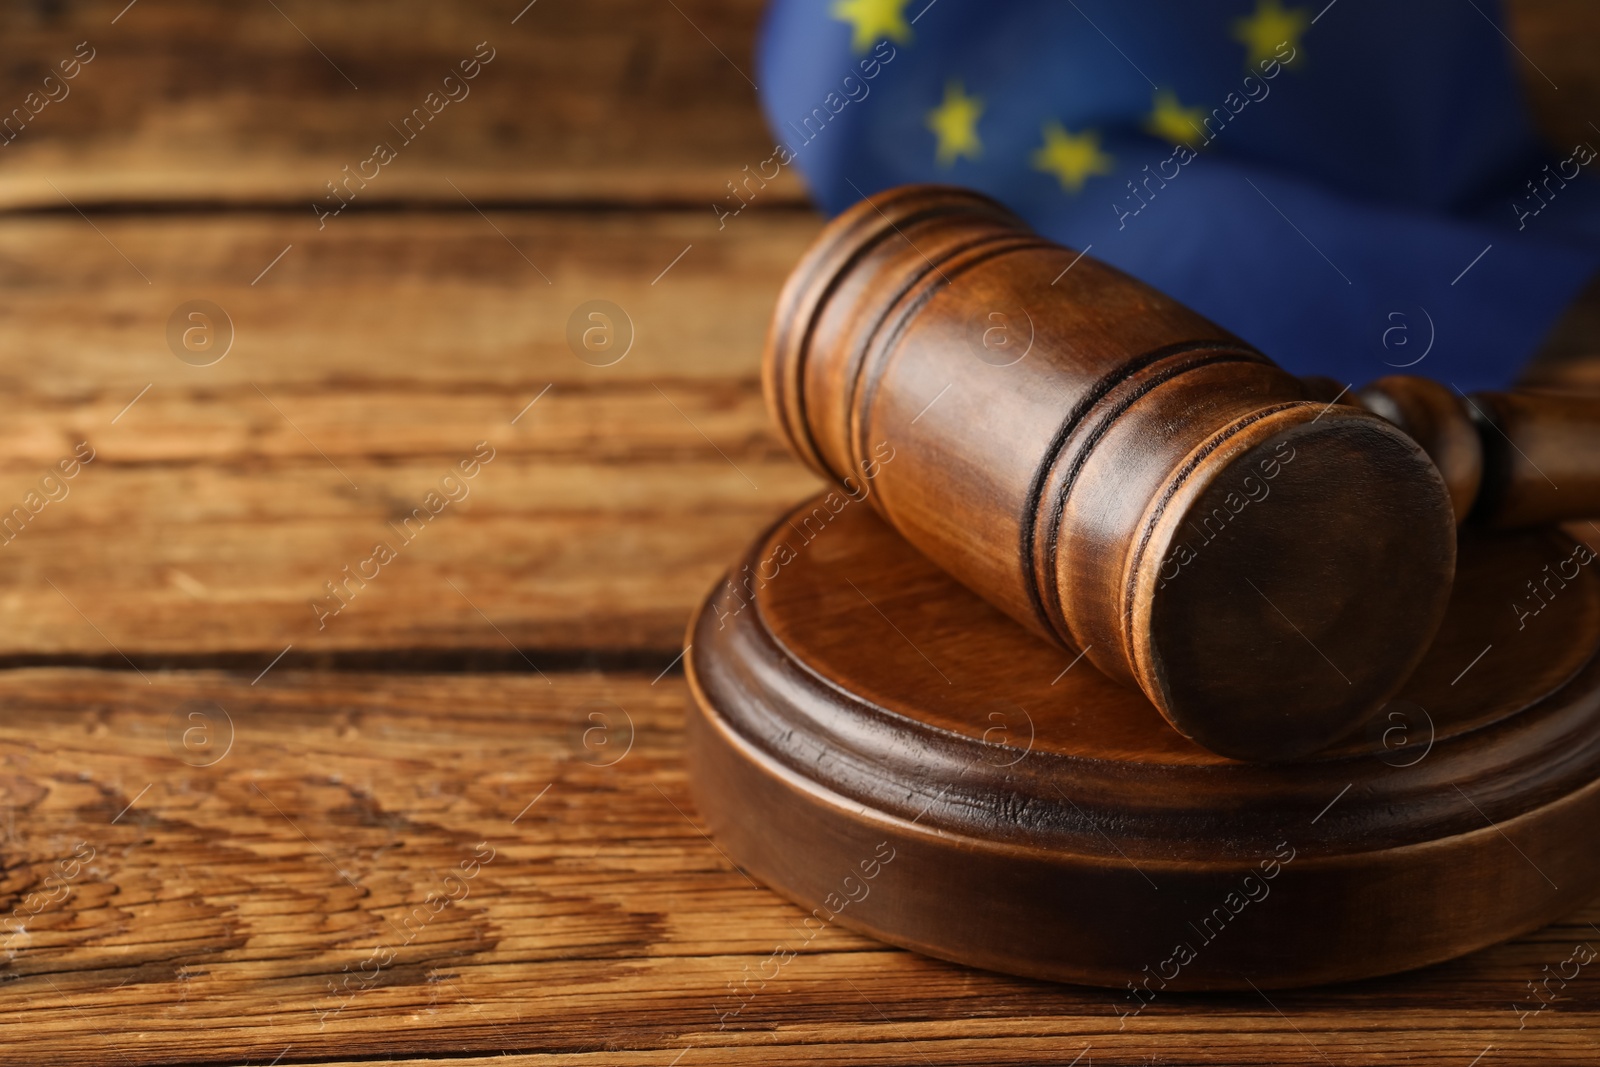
x=881 y=746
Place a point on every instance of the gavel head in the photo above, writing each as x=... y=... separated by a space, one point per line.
x=1113 y=471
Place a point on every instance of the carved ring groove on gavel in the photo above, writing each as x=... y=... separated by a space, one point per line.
x=1266 y=559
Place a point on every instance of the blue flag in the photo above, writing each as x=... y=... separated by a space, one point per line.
x=1353 y=187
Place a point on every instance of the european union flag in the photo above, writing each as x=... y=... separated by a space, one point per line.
x=1353 y=187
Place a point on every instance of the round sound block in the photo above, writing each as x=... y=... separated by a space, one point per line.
x=880 y=745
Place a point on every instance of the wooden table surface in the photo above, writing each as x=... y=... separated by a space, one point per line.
x=450 y=821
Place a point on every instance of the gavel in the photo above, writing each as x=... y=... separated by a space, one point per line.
x=1266 y=557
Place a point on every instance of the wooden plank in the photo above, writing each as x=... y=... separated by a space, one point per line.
x=628 y=101
x=381 y=352
x=364 y=367
x=222 y=901
x=242 y=103
x=419 y=299
x=543 y=556
x=549 y=547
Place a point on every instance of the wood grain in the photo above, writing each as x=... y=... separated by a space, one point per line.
x=877 y=743
x=606 y=929
x=1541 y=451
x=244 y=103
x=584 y=101
x=1501 y=453
x=364 y=367
x=419 y=298
x=1106 y=507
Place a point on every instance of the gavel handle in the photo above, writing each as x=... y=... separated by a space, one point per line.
x=1523 y=458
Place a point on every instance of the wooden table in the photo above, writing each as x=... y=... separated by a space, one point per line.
x=450 y=821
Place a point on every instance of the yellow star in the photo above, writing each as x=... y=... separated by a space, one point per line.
x=1268 y=28
x=1071 y=157
x=1171 y=121
x=955 y=123
x=873 y=20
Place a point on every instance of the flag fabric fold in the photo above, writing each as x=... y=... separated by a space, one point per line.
x=1353 y=188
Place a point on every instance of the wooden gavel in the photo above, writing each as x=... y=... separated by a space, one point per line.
x=1266 y=557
